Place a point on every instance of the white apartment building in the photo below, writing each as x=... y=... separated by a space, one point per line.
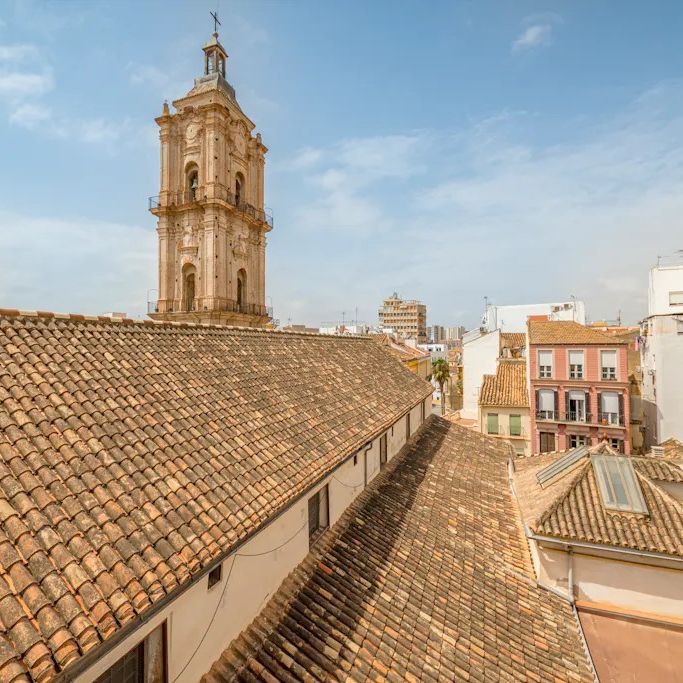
x=513 y=318
x=661 y=351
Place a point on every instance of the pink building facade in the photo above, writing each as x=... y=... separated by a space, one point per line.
x=579 y=394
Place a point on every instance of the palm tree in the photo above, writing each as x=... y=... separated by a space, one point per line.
x=441 y=374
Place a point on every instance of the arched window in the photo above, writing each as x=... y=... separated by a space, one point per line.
x=239 y=186
x=188 y=288
x=192 y=181
x=241 y=288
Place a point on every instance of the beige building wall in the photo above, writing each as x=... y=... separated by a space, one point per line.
x=627 y=584
x=407 y=318
x=520 y=444
x=202 y=621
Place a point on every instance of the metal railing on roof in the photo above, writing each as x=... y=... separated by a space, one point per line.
x=199 y=195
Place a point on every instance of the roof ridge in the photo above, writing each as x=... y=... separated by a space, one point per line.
x=124 y=320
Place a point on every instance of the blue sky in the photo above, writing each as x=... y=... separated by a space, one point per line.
x=524 y=151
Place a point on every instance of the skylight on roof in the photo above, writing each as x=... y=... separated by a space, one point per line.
x=619 y=487
x=559 y=466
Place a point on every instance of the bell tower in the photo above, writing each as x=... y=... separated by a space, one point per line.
x=212 y=223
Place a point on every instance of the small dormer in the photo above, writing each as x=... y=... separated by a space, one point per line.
x=215 y=57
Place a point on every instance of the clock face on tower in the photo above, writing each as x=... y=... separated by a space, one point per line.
x=191 y=132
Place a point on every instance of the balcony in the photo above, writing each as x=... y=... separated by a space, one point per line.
x=504 y=431
x=222 y=307
x=580 y=417
x=219 y=192
x=611 y=419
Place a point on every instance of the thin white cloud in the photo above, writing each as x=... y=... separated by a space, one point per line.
x=40 y=268
x=15 y=85
x=450 y=217
x=16 y=53
x=533 y=36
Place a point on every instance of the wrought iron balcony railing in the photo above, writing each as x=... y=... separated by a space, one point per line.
x=229 y=306
x=220 y=192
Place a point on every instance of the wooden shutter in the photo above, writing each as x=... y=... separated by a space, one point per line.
x=621 y=408
x=588 y=405
x=557 y=402
x=566 y=404
x=599 y=404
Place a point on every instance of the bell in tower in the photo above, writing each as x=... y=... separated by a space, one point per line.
x=212 y=223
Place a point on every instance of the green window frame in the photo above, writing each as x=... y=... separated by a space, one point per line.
x=492 y=423
x=515 y=425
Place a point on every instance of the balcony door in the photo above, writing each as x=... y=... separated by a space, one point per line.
x=576 y=406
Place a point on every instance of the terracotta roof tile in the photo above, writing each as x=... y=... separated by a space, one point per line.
x=571 y=507
x=425 y=577
x=507 y=387
x=568 y=332
x=132 y=454
x=512 y=340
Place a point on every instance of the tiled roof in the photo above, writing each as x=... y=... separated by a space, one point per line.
x=507 y=387
x=512 y=340
x=568 y=332
x=133 y=454
x=571 y=507
x=400 y=349
x=426 y=577
x=672 y=447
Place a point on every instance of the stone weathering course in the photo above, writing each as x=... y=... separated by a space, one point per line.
x=425 y=578
x=134 y=454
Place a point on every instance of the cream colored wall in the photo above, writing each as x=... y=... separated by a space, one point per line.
x=250 y=576
x=630 y=585
x=504 y=425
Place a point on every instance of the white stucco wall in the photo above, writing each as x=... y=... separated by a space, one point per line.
x=479 y=356
x=629 y=585
x=514 y=318
x=662 y=384
x=663 y=280
x=202 y=622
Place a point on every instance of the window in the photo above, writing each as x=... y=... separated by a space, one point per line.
x=215 y=575
x=576 y=364
x=617 y=483
x=423 y=411
x=610 y=408
x=382 y=451
x=560 y=466
x=675 y=298
x=608 y=364
x=515 y=425
x=576 y=440
x=576 y=406
x=239 y=186
x=355 y=459
x=545 y=404
x=617 y=445
x=241 y=288
x=407 y=426
x=546 y=442
x=188 y=288
x=545 y=364
x=492 y=423
x=145 y=663
x=318 y=513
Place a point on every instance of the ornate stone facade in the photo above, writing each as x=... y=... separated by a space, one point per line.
x=211 y=220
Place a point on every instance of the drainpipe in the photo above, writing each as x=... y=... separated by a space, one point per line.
x=570 y=575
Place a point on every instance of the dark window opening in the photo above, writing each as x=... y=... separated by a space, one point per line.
x=407 y=426
x=129 y=669
x=215 y=575
x=355 y=459
x=382 y=451
x=318 y=513
x=546 y=442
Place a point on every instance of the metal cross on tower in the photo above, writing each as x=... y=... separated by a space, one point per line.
x=216 y=21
